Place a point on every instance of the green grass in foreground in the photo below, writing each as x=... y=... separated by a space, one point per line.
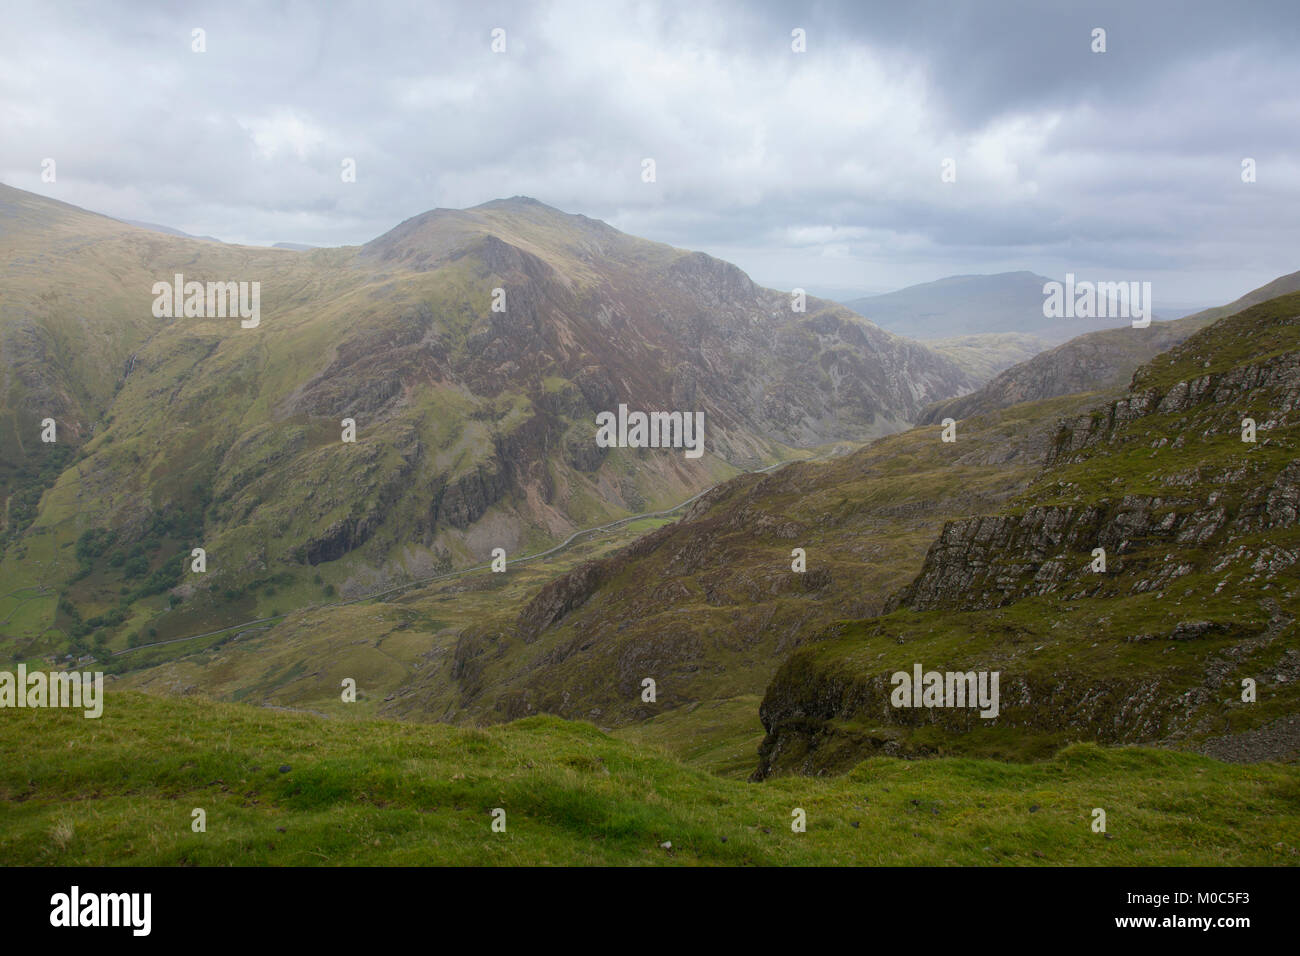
x=120 y=790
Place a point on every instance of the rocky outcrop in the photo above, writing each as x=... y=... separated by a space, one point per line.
x=372 y=367
x=802 y=705
x=995 y=560
x=1198 y=531
x=570 y=591
x=468 y=497
x=1220 y=395
x=560 y=597
x=340 y=538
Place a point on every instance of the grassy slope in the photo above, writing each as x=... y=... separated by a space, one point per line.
x=120 y=790
x=986 y=354
x=381 y=644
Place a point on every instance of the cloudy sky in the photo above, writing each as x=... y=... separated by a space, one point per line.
x=819 y=169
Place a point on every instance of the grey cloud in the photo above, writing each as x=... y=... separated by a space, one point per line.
x=1125 y=161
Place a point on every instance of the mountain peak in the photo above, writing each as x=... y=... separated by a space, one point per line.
x=522 y=221
x=514 y=201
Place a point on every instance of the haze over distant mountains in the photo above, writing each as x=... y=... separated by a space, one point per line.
x=1095 y=361
x=168 y=230
x=978 y=304
x=172 y=231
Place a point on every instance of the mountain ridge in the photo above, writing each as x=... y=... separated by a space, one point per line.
x=474 y=425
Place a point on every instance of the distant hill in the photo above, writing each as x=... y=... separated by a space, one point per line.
x=295 y=246
x=1282 y=285
x=168 y=230
x=972 y=305
x=1098 y=361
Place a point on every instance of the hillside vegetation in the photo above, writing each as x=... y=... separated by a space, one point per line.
x=1093 y=362
x=1198 y=595
x=707 y=606
x=474 y=426
x=292 y=789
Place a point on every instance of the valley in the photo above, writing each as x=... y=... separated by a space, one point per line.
x=525 y=535
x=473 y=427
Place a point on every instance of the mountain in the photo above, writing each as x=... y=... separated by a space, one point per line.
x=974 y=304
x=709 y=605
x=711 y=610
x=1196 y=600
x=168 y=230
x=475 y=428
x=475 y=431
x=1202 y=535
x=1097 y=361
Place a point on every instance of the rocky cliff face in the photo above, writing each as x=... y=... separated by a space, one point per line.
x=995 y=560
x=1202 y=561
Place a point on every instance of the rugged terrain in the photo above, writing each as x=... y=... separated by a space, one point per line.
x=1091 y=362
x=1198 y=594
x=474 y=427
x=709 y=607
x=706 y=606
x=474 y=432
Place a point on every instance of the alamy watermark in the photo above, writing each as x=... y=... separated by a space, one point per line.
x=74 y=908
x=947 y=689
x=212 y=300
x=55 y=689
x=651 y=430
x=1098 y=300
